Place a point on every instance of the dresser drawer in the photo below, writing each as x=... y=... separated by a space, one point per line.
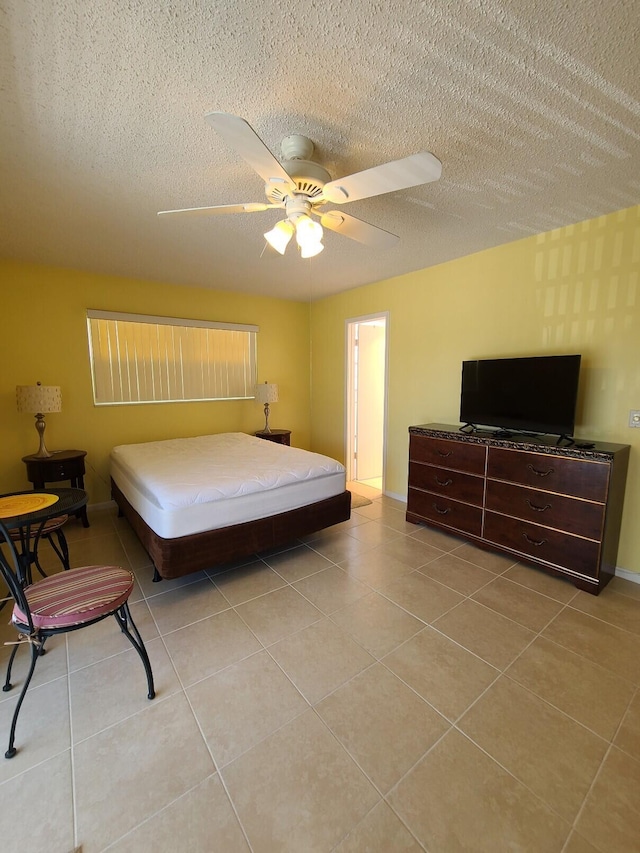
x=458 y=455
x=546 y=508
x=568 y=476
x=442 y=481
x=551 y=547
x=441 y=510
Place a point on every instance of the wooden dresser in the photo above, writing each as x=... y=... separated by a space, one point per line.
x=558 y=507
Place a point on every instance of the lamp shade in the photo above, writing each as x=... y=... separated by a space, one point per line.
x=310 y=250
x=308 y=231
x=267 y=392
x=38 y=399
x=280 y=235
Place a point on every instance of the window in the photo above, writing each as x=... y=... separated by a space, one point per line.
x=137 y=358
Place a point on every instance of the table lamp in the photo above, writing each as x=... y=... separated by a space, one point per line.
x=266 y=393
x=37 y=400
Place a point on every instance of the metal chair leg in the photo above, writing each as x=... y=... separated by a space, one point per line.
x=7 y=682
x=62 y=550
x=33 y=555
x=124 y=619
x=35 y=652
x=34 y=559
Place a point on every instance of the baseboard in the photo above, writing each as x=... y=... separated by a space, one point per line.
x=103 y=505
x=634 y=577
x=401 y=498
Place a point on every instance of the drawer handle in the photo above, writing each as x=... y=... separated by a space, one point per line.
x=445 y=453
x=446 y=482
x=539 y=508
x=441 y=511
x=540 y=473
x=536 y=542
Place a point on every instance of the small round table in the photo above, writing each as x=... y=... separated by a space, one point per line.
x=68 y=502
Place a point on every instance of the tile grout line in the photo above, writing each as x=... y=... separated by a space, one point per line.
x=565 y=606
x=352 y=758
x=217 y=770
x=599 y=771
x=72 y=757
x=454 y=725
x=204 y=740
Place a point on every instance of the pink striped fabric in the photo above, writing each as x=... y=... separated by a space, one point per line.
x=49 y=526
x=76 y=596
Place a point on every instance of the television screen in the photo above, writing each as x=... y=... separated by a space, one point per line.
x=536 y=394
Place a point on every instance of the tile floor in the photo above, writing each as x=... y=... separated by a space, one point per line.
x=380 y=687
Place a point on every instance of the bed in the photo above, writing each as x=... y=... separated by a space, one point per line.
x=196 y=503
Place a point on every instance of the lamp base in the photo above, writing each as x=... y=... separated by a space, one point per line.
x=42 y=453
x=266 y=418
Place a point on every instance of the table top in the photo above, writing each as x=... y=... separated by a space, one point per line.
x=56 y=456
x=68 y=501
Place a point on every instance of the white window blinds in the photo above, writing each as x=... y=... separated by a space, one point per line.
x=136 y=358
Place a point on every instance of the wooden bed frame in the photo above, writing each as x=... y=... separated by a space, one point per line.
x=173 y=558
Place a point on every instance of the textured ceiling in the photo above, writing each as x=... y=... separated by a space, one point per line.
x=533 y=107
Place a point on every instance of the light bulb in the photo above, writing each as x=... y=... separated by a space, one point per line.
x=308 y=232
x=280 y=235
x=309 y=250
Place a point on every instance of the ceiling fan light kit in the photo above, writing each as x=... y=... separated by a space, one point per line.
x=310 y=250
x=280 y=235
x=302 y=187
x=308 y=236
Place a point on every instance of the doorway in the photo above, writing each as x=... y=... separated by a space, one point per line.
x=366 y=403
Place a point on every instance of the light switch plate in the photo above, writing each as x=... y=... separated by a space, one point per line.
x=634 y=418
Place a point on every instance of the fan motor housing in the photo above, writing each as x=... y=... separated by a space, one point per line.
x=309 y=178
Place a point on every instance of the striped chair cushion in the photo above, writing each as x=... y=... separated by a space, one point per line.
x=76 y=596
x=49 y=526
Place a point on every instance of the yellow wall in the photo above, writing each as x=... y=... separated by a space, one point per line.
x=44 y=339
x=576 y=289
x=572 y=290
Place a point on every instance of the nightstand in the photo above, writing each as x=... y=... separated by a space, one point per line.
x=278 y=436
x=63 y=465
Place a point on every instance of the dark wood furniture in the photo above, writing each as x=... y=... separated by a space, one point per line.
x=173 y=558
x=61 y=465
x=279 y=436
x=559 y=507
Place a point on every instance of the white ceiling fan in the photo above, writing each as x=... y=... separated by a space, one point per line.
x=302 y=188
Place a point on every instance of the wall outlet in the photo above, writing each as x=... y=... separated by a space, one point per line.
x=634 y=418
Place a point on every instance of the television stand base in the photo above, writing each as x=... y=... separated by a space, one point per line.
x=566 y=438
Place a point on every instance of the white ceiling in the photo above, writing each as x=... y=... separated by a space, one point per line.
x=531 y=105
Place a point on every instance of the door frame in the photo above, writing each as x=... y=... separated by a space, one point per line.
x=348 y=385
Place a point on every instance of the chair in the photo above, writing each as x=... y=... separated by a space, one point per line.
x=45 y=531
x=64 y=602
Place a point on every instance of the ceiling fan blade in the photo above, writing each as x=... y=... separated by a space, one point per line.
x=250 y=207
x=241 y=136
x=357 y=229
x=411 y=171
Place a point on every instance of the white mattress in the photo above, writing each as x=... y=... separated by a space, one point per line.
x=187 y=485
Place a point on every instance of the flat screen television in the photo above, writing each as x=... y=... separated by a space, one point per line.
x=534 y=395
